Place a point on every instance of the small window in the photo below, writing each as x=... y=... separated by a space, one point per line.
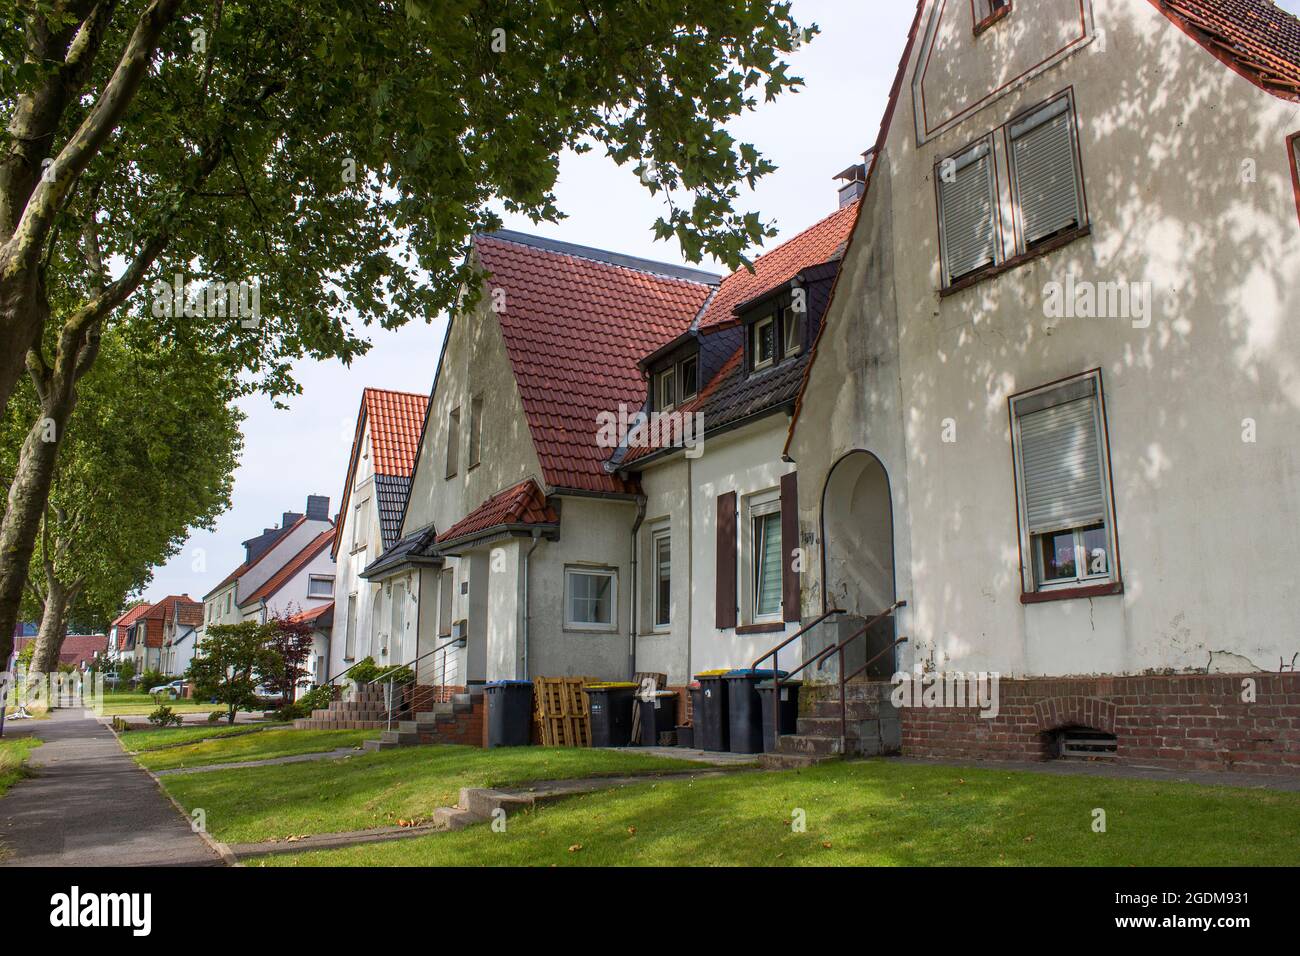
x=1062 y=483
x=989 y=12
x=361 y=525
x=764 y=342
x=446 y=586
x=350 y=637
x=475 y=431
x=666 y=387
x=762 y=558
x=1293 y=145
x=453 y=442
x=690 y=377
x=590 y=601
x=229 y=594
x=1045 y=178
x=791 y=330
x=320 y=586
x=663 y=578
x=967 y=212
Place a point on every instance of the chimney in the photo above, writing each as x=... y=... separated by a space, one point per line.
x=288 y=518
x=855 y=178
x=318 y=508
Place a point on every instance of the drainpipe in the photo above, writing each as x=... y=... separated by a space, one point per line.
x=537 y=539
x=632 y=617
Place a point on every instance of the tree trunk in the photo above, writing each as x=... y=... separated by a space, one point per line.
x=23 y=313
x=54 y=628
x=26 y=506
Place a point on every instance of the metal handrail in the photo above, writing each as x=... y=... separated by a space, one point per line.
x=819 y=659
x=413 y=664
x=795 y=636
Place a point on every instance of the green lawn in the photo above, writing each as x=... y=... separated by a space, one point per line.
x=259 y=746
x=140 y=740
x=872 y=813
x=124 y=704
x=13 y=753
x=372 y=790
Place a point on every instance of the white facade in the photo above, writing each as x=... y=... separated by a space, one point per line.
x=1188 y=192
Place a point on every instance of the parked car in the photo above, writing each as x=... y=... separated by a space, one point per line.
x=172 y=690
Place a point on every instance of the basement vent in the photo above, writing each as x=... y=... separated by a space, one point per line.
x=1076 y=743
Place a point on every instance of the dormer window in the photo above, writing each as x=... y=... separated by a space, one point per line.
x=666 y=390
x=791 y=332
x=690 y=372
x=763 y=345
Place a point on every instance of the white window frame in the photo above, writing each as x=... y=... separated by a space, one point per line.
x=1061 y=102
x=789 y=325
x=320 y=578
x=662 y=402
x=475 y=451
x=361 y=525
x=756 y=332
x=350 y=628
x=453 y=442
x=1030 y=559
x=757 y=505
x=681 y=377
x=658 y=536
x=569 y=623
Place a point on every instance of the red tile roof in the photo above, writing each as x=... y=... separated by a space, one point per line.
x=1255 y=37
x=130 y=615
x=77 y=648
x=395 y=421
x=244 y=568
x=819 y=243
x=522 y=504
x=574 y=329
x=313 y=614
x=190 y=610
x=291 y=568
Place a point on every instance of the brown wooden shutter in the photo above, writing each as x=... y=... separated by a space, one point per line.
x=725 y=597
x=790 y=603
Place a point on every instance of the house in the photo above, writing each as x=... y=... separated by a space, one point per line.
x=79 y=651
x=321 y=620
x=545 y=534
x=1053 y=404
x=120 y=627
x=148 y=634
x=180 y=636
x=374 y=494
x=240 y=594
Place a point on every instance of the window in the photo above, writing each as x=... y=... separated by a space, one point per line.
x=1293 y=147
x=590 y=601
x=666 y=390
x=361 y=525
x=690 y=377
x=1045 y=177
x=763 y=346
x=318 y=585
x=663 y=590
x=475 y=431
x=397 y=623
x=229 y=595
x=446 y=584
x=453 y=442
x=762 y=557
x=989 y=12
x=790 y=330
x=967 y=212
x=350 y=637
x=1062 y=485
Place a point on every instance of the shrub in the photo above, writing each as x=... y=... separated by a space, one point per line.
x=216 y=715
x=164 y=716
x=126 y=669
x=152 y=678
x=365 y=671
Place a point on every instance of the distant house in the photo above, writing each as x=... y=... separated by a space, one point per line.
x=321 y=620
x=180 y=636
x=148 y=635
x=119 y=630
x=79 y=650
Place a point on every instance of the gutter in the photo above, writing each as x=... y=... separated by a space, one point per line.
x=632 y=616
x=537 y=539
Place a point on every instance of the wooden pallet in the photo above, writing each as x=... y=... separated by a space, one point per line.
x=560 y=711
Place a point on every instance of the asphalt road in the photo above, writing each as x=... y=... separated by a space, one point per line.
x=90 y=805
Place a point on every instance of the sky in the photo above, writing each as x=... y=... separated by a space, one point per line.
x=289 y=454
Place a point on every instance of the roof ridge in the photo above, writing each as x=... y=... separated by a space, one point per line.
x=606 y=257
x=803 y=232
x=394 y=391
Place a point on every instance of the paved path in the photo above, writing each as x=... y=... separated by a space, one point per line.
x=267 y=762
x=90 y=805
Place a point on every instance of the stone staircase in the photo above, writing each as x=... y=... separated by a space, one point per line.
x=873 y=726
x=457 y=721
x=365 y=711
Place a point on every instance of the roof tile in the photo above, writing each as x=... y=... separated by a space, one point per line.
x=1260 y=38
x=521 y=504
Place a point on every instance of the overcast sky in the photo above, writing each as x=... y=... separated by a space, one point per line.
x=810 y=136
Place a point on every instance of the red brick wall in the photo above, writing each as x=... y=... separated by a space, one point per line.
x=1187 y=722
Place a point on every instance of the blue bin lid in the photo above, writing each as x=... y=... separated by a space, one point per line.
x=509 y=683
x=761 y=674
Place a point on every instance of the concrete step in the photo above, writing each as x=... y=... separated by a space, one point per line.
x=484 y=803
x=454 y=818
x=804 y=744
x=857 y=709
x=826 y=727
x=374 y=746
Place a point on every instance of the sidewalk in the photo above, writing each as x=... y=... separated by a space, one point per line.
x=89 y=804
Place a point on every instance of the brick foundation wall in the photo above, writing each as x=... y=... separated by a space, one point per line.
x=1184 y=722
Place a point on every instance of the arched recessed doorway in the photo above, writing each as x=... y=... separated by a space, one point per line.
x=857 y=526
